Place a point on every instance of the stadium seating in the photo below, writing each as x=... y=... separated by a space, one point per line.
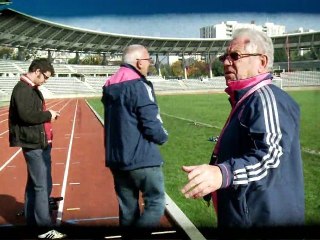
x=87 y=80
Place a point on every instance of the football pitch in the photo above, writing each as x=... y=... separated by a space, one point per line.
x=192 y=119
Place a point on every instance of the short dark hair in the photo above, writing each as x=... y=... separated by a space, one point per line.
x=43 y=64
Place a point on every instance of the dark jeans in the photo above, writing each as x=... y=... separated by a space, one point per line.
x=128 y=184
x=38 y=187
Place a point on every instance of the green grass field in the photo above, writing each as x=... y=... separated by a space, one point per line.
x=192 y=119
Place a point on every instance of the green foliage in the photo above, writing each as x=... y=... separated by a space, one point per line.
x=188 y=144
x=217 y=68
x=177 y=69
x=280 y=55
x=166 y=70
x=198 y=69
x=95 y=59
x=6 y=52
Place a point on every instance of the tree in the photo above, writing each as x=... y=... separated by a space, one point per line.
x=217 y=68
x=177 y=69
x=152 y=70
x=198 y=69
x=6 y=53
x=166 y=70
x=92 y=60
x=280 y=55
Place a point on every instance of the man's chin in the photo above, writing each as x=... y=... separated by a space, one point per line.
x=230 y=77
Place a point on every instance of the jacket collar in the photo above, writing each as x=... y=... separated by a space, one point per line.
x=236 y=89
x=27 y=80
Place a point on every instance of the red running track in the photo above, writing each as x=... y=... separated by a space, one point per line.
x=78 y=171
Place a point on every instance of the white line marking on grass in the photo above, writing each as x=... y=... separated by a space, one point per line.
x=310 y=151
x=307 y=150
x=195 y=122
x=66 y=171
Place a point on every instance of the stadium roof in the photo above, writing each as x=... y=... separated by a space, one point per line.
x=21 y=30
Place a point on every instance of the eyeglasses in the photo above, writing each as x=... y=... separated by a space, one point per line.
x=45 y=76
x=146 y=59
x=234 y=56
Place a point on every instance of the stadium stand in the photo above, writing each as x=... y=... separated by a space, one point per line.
x=87 y=86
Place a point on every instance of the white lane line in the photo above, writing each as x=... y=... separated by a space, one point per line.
x=65 y=105
x=73 y=209
x=163 y=232
x=74 y=183
x=66 y=171
x=7 y=162
x=4 y=132
x=113 y=237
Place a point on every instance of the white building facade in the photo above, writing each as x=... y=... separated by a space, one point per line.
x=225 y=29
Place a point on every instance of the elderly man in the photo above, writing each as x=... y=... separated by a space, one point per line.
x=256 y=174
x=133 y=129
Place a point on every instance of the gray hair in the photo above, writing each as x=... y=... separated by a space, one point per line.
x=132 y=53
x=259 y=43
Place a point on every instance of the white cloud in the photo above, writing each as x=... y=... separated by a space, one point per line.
x=186 y=25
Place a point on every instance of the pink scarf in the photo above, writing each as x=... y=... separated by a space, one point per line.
x=241 y=84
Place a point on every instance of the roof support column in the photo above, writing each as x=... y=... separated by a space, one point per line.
x=184 y=66
x=49 y=56
x=210 y=62
x=77 y=58
x=104 y=59
x=157 y=65
x=21 y=54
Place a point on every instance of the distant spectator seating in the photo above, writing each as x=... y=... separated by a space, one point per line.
x=68 y=85
x=15 y=68
x=96 y=83
x=300 y=78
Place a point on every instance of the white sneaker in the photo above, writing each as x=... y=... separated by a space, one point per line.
x=53 y=234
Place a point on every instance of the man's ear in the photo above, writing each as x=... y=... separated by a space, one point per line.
x=138 y=64
x=263 y=63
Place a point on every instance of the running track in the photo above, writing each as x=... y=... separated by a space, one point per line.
x=79 y=175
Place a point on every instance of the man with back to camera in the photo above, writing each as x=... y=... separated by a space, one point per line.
x=30 y=128
x=133 y=128
x=256 y=173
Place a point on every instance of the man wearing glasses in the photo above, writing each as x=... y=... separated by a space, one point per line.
x=30 y=129
x=133 y=129
x=256 y=174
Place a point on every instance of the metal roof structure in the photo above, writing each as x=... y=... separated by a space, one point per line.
x=23 y=31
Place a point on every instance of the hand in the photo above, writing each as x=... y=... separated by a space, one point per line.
x=54 y=114
x=203 y=179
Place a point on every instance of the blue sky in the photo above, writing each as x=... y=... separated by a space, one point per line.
x=170 y=18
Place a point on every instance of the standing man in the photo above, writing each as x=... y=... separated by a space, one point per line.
x=30 y=128
x=133 y=128
x=257 y=171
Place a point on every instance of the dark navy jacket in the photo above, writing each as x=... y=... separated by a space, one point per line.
x=133 y=126
x=260 y=159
